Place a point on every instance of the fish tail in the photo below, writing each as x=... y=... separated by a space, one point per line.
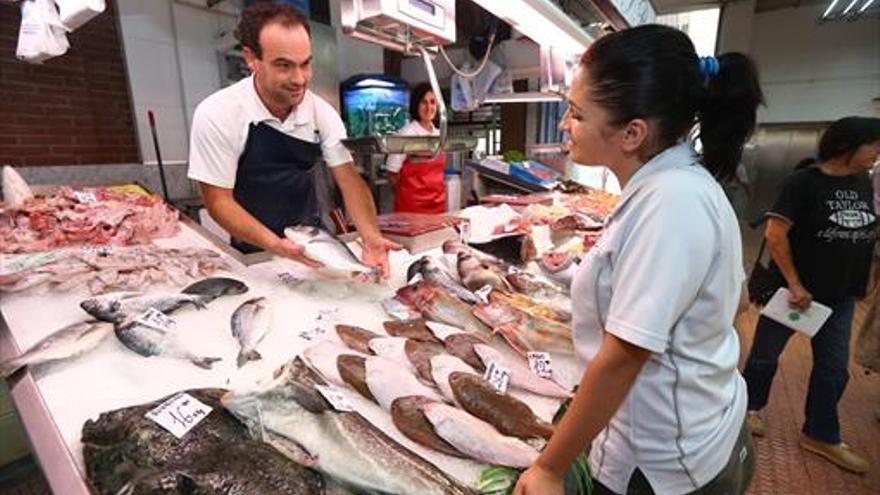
x=204 y=362
x=8 y=367
x=244 y=357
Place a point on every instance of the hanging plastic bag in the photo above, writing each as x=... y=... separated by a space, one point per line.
x=41 y=35
x=75 y=13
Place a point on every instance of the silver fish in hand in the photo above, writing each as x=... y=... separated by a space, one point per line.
x=326 y=248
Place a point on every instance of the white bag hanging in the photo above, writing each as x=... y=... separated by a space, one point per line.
x=75 y=13
x=41 y=35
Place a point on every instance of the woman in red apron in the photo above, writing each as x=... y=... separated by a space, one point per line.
x=417 y=180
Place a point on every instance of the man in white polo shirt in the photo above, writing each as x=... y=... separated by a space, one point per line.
x=260 y=148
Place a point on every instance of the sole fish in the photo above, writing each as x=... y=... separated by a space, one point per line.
x=413 y=354
x=251 y=323
x=356 y=338
x=411 y=329
x=521 y=376
x=478 y=439
x=506 y=413
x=65 y=343
x=389 y=381
x=409 y=418
x=343 y=445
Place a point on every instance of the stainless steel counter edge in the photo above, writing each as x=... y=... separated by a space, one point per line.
x=47 y=445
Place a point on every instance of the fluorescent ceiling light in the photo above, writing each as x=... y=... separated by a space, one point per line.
x=850 y=6
x=542 y=21
x=521 y=97
x=830 y=8
x=865 y=7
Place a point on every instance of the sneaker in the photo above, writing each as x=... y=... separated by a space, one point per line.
x=840 y=454
x=756 y=423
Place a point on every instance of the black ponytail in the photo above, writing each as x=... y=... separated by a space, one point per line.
x=653 y=72
x=727 y=113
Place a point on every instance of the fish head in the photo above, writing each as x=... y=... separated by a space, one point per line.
x=102 y=308
x=291 y=391
x=417 y=267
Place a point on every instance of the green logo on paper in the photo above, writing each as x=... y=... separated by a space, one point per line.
x=794 y=316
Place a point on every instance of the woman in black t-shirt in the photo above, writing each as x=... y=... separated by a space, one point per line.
x=821 y=234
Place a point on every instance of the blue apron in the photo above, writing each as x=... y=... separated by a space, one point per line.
x=278 y=181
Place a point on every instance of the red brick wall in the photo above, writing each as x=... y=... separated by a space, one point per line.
x=72 y=109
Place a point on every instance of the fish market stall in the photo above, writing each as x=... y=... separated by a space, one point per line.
x=262 y=327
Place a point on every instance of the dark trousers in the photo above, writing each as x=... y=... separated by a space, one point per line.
x=734 y=479
x=827 y=380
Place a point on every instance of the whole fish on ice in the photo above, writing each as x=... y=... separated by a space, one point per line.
x=435 y=304
x=476 y=438
x=251 y=323
x=343 y=445
x=433 y=271
x=115 y=306
x=148 y=341
x=521 y=376
x=65 y=343
x=217 y=286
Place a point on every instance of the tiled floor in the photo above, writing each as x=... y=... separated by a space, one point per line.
x=783 y=468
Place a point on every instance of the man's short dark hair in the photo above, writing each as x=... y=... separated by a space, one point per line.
x=259 y=14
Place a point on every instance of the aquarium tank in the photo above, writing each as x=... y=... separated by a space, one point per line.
x=374 y=105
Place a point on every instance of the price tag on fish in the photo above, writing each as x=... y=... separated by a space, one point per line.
x=539 y=363
x=497 y=376
x=179 y=414
x=85 y=196
x=154 y=318
x=335 y=397
x=483 y=293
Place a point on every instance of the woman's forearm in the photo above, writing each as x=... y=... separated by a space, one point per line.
x=603 y=388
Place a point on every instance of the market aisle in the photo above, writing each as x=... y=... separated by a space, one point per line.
x=782 y=466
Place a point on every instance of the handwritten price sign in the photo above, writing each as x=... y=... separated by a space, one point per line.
x=497 y=376
x=539 y=363
x=154 y=318
x=179 y=414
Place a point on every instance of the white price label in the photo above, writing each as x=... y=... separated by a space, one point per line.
x=335 y=397
x=539 y=363
x=312 y=334
x=179 y=414
x=99 y=250
x=483 y=293
x=154 y=318
x=497 y=376
x=85 y=196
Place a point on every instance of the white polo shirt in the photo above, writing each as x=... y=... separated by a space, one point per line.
x=220 y=129
x=666 y=276
x=395 y=162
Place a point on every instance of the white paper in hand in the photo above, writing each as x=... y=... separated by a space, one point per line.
x=808 y=322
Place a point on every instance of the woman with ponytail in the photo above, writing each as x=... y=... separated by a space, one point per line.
x=661 y=406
